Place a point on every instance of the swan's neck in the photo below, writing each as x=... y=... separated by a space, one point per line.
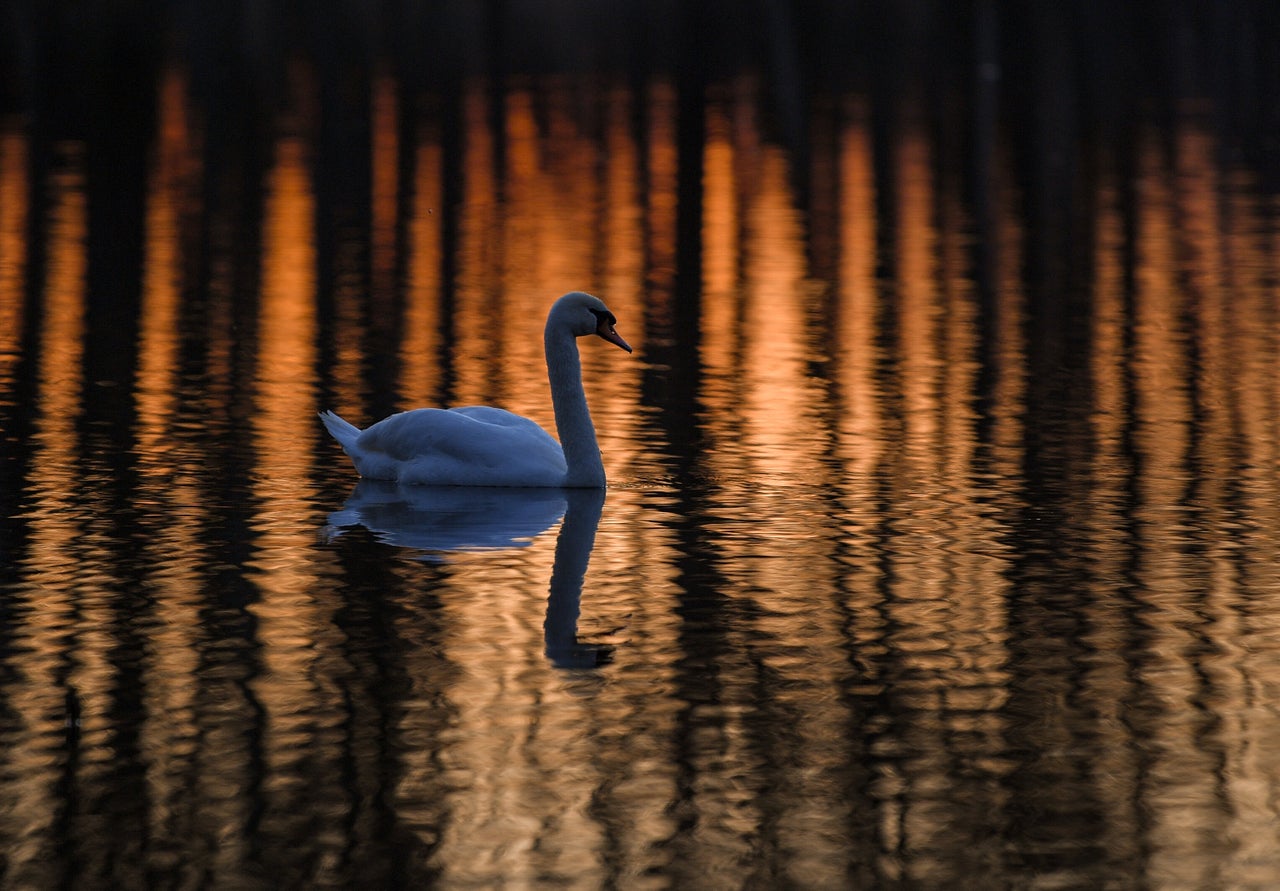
x=573 y=420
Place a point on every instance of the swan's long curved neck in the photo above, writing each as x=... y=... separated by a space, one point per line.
x=573 y=419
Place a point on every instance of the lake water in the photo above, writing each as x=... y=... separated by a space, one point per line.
x=941 y=547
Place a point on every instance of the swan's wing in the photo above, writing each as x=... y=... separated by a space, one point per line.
x=500 y=417
x=477 y=445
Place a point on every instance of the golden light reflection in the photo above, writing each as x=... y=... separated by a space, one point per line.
x=54 y=583
x=294 y=616
x=13 y=245
x=854 y=338
x=856 y=637
x=478 y=255
x=720 y=239
x=1116 y=769
x=617 y=261
x=169 y=195
x=661 y=167
x=1009 y=360
x=385 y=176
x=420 y=345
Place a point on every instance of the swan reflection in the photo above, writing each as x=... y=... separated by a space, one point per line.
x=438 y=520
x=441 y=519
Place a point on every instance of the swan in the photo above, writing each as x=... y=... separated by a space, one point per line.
x=479 y=445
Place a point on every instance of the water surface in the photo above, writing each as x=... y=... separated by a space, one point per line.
x=940 y=549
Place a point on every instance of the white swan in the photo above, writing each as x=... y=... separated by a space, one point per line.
x=483 y=446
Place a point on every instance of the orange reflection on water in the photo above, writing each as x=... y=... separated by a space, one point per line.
x=617 y=262
x=175 y=550
x=478 y=315
x=385 y=177
x=854 y=339
x=57 y=591
x=857 y=639
x=420 y=343
x=778 y=395
x=170 y=196
x=295 y=626
x=915 y=246
x=13 y=245
x=621 y=248
x=661 y=166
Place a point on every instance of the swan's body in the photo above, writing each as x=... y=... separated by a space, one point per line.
x=483 y=446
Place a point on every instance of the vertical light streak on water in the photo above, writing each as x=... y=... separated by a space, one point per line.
x=863 y=448
x=721 y=276
x=526 y=189
x=532 y=274
x=858 y=413
x=803 y=804
x=569 y=217
x=301 y=728
x=479 y=313
x=661 y=165
x=1180 y=772
x=173 y=553
x=14 y=207
x=384 y=156
x=620 y=252
x=1106 y=676
x=916 y=587
x=1008 y=366
x=945 y=573
x=783 y=438
x=420 y=351
x=52 y=699
x=974 y=557
x=156 y=387
x=619 y=263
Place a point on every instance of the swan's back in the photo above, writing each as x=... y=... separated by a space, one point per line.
x=471 y=446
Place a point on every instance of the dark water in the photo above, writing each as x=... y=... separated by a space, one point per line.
x=942 y=545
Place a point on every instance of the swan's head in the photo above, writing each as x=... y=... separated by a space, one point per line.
x=584 y=314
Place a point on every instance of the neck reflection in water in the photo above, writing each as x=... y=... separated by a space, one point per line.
x=436 y=521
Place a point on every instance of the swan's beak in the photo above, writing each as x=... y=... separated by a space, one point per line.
x=605 y=330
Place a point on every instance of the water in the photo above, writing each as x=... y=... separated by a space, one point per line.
x=941 y=543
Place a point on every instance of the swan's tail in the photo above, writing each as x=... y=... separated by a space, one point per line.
x=342 y=431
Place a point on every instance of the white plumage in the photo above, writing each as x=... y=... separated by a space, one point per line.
x=480 y=445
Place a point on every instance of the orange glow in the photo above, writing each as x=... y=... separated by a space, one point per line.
x=720 y=233
x=169 y=194
x=622 y=245
x=13 y=245
x=916 y=245
x=854 y=344
x=420 y=344
x=385 y=177
x=54 y=587
x=292 y=622
x=1159 y=344
x=478 y=254
x=662 y=165
x=866 y=607
x=778 y=394
x=1010 y=355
